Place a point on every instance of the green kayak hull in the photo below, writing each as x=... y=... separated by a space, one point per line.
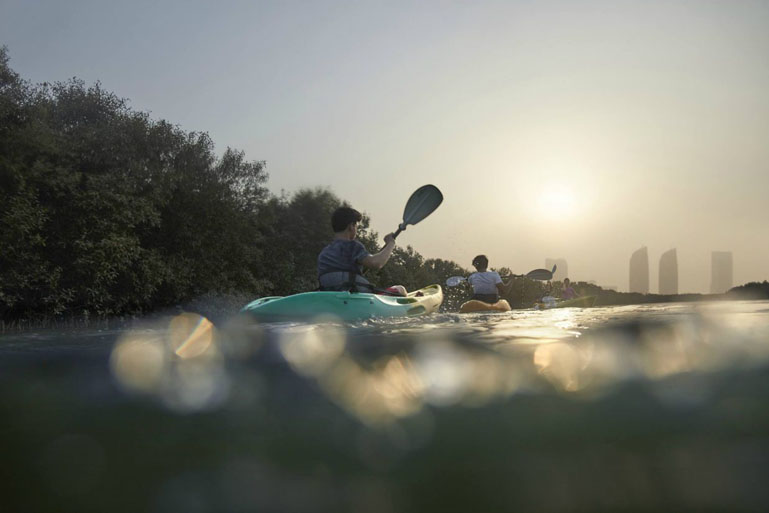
x=345 y=306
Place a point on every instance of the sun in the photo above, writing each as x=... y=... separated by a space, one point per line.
x=557 y=201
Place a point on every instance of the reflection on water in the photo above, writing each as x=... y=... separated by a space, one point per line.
x=181 y=365
x=646 y=408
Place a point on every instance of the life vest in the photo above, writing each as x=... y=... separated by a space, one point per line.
x=345 y=280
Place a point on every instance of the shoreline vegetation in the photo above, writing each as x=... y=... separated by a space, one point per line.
x=107 y=216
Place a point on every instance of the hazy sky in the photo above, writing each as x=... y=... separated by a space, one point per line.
x=574 y=129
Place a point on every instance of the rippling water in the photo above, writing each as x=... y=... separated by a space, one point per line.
x=637 y=408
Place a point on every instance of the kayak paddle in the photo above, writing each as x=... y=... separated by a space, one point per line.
x=421 y=204
x=536 y=274
x=455 y=280
x=541 y=274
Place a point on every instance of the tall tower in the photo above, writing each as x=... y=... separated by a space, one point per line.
x=562 y=271
x=669 y=272
x=721 y=268
x=639 y=271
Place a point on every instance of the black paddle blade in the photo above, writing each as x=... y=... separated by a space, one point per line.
x=540 y=274
x=421 y=204
x=455 y=280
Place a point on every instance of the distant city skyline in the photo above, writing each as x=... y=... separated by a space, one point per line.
x=639 y=274
x=668 y=273
x=639 y=271
x=722 y=272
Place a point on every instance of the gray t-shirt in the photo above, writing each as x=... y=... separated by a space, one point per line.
x=341 y=255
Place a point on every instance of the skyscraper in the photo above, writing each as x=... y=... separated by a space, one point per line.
x=562 y=271
x=721 y=269
x=669 y=272
x=639 y=271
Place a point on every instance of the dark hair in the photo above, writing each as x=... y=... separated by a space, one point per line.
x=343 y=217
x=480 y=261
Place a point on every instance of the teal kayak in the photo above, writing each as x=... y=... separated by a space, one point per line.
x=346 y=306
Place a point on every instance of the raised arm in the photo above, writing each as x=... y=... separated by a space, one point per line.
x=378 y=260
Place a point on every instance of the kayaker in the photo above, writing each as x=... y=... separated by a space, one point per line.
x=341 y=263
x=548 y=300
x=487 y=285
x=567 y=291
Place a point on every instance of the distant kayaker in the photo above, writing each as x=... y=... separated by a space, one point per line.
x=567 y=291
x=487 y=285
x=341 y=263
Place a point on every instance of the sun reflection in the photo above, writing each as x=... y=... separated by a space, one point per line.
x=445 y=371
x=312 y=349
x=196 y=385
x=138 y=362
x=491 y=377
x=560 y=363
x=399 y=386
x=181 y=365
x=188 y=365
x=665 y=352
x=190 y=335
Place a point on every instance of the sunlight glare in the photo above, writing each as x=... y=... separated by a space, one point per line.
x=557 y=202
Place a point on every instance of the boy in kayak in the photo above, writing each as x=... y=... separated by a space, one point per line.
x=341 y=263
x=487 y=285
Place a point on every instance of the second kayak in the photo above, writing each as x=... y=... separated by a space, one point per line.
x=346 y=306
x=479 y=306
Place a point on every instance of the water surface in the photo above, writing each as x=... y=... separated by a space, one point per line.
x=635 y=408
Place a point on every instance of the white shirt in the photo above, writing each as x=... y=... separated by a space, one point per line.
x=485 y=282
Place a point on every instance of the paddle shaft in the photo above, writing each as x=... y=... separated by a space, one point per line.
x=536 y=274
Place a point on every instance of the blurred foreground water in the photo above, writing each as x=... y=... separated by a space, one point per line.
x=643 y=408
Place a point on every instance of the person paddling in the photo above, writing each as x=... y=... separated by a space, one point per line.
x=567 y=291
x=487 y=285
x=341 y=263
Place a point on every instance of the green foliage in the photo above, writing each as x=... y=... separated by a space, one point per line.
x=752 y=290
x=103 y=210
x=294 y=231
